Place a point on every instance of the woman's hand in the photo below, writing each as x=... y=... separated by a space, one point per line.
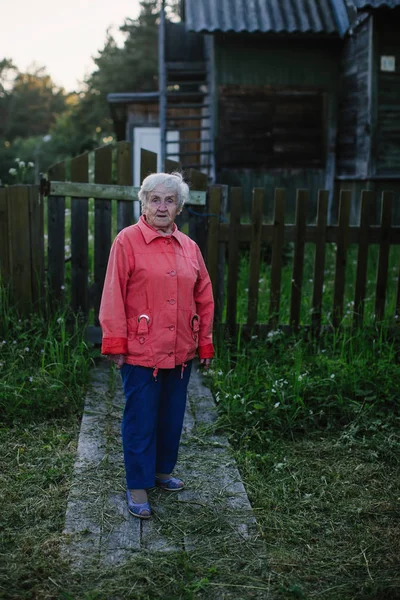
x=205 y=362
x=117 y=359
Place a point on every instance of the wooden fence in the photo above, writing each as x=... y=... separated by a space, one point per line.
x=37 y=272
x=276 y=234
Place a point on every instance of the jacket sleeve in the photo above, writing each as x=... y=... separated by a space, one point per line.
x=204 y=300
x=112 y=315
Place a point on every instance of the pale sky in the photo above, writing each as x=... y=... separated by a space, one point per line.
x=62 y=36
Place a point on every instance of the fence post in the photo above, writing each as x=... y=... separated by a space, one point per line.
x=341 y=256
x=124 y=177
x=255 y=255
x=362 y=258
x=102 y=225
x=298 y=258
x=233 y=259
x=319 y=261
x=198 y=223
x=4 y=237
x=384 y=249
x=79 y=238
x=278 y=237
x=213 y=237
x=20 y=246
x=56 y=241
x=36 y=230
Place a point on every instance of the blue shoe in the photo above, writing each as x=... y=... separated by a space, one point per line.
x=171 y=485
x=142 y=511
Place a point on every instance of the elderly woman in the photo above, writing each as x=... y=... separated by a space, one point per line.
x=156 y=311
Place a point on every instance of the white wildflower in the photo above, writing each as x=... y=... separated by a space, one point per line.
x=31 y=165
x=220 y=372
x=4 y=342
x=12 y=171
x=27 y=349
x=42 y=351
x=254 y=337
x=60 y=320
x=63 y=287
x=333 y=376
x=31 y=379
x=277 y=404
x=21 y=164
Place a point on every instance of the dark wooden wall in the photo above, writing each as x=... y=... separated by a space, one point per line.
x=354 y=130
x=386 y=149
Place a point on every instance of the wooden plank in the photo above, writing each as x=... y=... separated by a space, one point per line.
x=79 y=238
x=255 y=255
x=397 y=309
x=220 y=299
x=124 y=177
x=319 y=260
x=172 y=166
x=341 y=256
x=213 y=228
x=20 y=247
x=56 y=241
x=148 y=163
x=278 y=235
x=267 y=234
x=4 y=238
x=197 y=220
x=383 y=261
x=233 y=259
x=362 y=258
x=109 y=192
x=102 y=225
x=298 y=257
x=36 y=231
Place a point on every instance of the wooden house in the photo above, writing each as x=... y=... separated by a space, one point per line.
x=270 y=93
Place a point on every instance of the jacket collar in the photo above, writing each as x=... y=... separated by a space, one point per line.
x=151 y=234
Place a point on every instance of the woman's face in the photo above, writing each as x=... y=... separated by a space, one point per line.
x=161 y=208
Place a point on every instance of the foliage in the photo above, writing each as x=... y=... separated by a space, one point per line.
x=44 y=363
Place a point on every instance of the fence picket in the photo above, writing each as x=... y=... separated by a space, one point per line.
x=341 y=256
x=362 y=258
x=20 y=246
x=197 y=222
x=171 y=166
x=384 y=249
x=124 y=177
x=102 y=225
x=233 y=260
x=255 y=255
x=4 y=237
x=212 y=245
x=319 y=260
x=148 y=163
x=79 y=238
x=298 y=257
x=36 y=233
x=278 y=237
x=56 y=240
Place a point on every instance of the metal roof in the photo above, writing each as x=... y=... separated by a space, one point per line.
x=267 y=16
x=376 y=3
x=138 y=97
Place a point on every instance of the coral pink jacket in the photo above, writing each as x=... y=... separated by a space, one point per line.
x=157 y=305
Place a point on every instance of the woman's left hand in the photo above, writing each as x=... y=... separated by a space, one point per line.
x=205 y=362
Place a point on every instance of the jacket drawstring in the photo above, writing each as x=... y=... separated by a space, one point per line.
x=155 y=373
x=184 y=365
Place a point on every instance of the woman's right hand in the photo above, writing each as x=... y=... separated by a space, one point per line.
x=117 y=359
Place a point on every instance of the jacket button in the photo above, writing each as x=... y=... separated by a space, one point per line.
x=142 y=340
x=171 y=327
x=172 y=301
x=170 y=353
x=172 y=273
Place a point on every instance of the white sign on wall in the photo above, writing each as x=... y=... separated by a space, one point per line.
x=388 y=63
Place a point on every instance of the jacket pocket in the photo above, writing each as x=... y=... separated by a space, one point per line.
x=195 y=327
x=138 y=334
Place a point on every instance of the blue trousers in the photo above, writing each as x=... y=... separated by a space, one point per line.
x=152 y=421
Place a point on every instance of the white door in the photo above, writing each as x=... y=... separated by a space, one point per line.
x=149 y=138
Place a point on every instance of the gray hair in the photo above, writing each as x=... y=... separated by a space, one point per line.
x=172 y=181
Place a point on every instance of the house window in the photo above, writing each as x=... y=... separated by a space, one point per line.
x=264 y=127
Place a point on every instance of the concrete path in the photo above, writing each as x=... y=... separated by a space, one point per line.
x=98 y=527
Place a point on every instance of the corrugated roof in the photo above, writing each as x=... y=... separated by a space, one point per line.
x=275 y=16
x=376 y=3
